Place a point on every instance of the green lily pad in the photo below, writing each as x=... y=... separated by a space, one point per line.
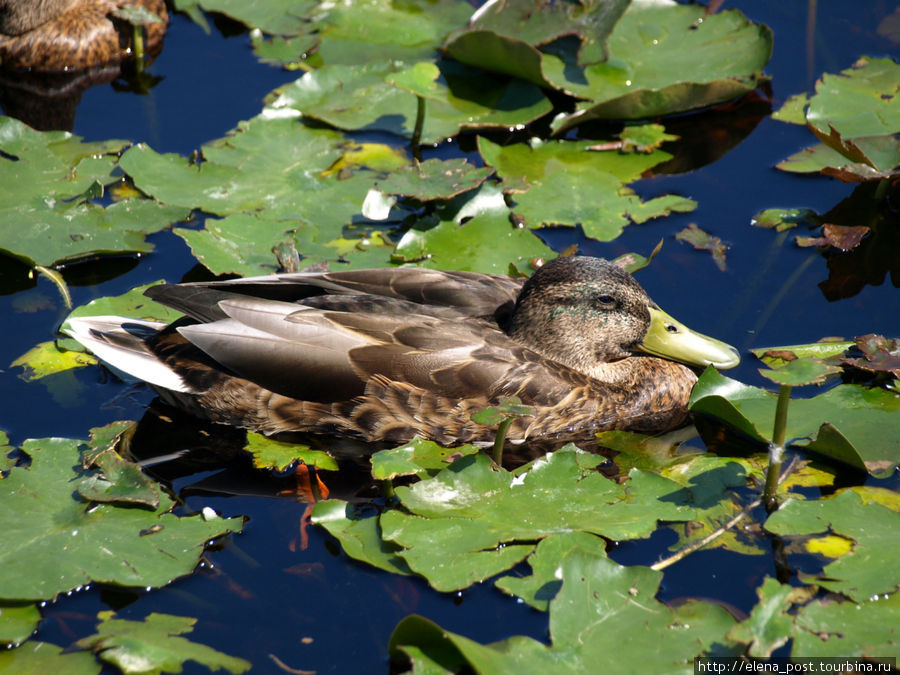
x=856 y=116
x=594 y=591
x=800 y=371
x=564 y=183
x=276 y=18
x=784 y=219
x=865 y=571
x=288 y=52
x=43 y=657
x=381 y=96
x=18 y=620
x=663 y=59
x=487 y=242
x=768 y=627
x=543 y=584
x=360 y=536
x=504 y=37
x=271 y=454
x=418 y=457
x=119 y=480
x=644 y=138
x=434 y=179
x=154 y=645
x=829 y=628
x=778 y=356
x=851 y=423
x=46 y=358
x=704 y=241
x=53 y=541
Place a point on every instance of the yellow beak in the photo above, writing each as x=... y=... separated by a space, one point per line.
x=671 y=339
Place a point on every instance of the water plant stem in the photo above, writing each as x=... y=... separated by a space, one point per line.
x=417 y=131
x=60 y=283
x=499 y=440
x=138 y=33
x=776 y=448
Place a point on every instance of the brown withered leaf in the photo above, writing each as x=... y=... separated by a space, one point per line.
x=704 y=241
x=880 y=354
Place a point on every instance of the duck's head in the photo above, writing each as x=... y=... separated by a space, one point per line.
x=585 y=312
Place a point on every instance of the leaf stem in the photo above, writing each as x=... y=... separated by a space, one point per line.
x=499 y=440
x=417 y=131
x=776 y=448
x=138 y=36
x=57 y=278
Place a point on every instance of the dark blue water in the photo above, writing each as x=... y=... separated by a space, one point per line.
x=313 y=608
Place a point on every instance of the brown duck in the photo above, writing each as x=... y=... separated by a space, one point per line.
x=389 y=354
x=60 y=35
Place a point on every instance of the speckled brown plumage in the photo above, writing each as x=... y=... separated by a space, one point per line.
x=386 y=355
x=58 y=35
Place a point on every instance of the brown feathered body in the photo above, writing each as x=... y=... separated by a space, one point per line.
x=387 y=355
x=62 y=35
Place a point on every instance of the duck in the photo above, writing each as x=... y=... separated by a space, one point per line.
x=66 y=35
x=387 y=355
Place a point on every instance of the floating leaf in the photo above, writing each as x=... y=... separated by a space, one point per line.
x=825 y=349
x=880 y=354
x=783 y=219
x=864 y=571
x=52 y=542
x=801 y=371
x=286 y=18
x=853 y=424
x=271 y=454
x=43 y=657
x=460 y=518
x=119 y=480
x=842 y=237
x=434 y=179
x=18 y=620
x=418 y=457
x=703 y=241
x=644 y=138
x=544 y=583
x=594 y=592
x=829 y=628
x=360 y=536
x=47 y=358
x=154 y=645
x=663 y=59
x=768 y=627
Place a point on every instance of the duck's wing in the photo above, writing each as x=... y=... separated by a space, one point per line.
x=460 y=293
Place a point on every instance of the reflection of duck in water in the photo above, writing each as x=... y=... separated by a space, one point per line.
x=64 y=35
x=388 y=354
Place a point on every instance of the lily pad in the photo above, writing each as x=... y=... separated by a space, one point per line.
x=800 y=371
x=784 y=219
x=434 y=179
x=663 y=58
x=829 y=628
x=271 y=454
x=880 y=354
x=768 y=627
x=487 y=242
x=852 y=424
x=544 y=583
x=703 y=241
x=865 y=571
x=275 y=18
x=418 y=457
x=360 y=536
x=43 y=657
x=563 y=183
x=504 y=37
x=118 y=479
x=47 y=358
x=777 y=356
x=594 y=591
x=53 y=541
x=18 y=620
x=154 y=645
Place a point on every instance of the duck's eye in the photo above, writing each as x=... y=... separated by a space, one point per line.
x=605 y=301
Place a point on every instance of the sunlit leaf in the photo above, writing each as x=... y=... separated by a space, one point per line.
x=861 y=573
x=154 y=645
x=434 y=179
x=644 y=138
x=784 y=219
x=418 y=457
x=47 y=358
x=768 y=626
x=801 y=371
x=594 y=592
x=830 y=628
x=18 y=620
x=360 y=535
x=52 y=541
x=43 y=657
x=271 y=454
x=663 y=59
